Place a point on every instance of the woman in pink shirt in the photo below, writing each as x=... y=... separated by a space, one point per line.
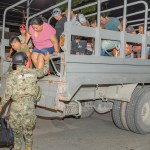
x=44 y=39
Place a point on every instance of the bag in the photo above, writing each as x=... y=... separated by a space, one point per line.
x=6 y=134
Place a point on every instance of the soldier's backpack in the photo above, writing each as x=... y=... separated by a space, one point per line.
x=6 y=135
x=26 y=85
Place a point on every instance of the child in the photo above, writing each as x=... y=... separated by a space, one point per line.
x=78 y=46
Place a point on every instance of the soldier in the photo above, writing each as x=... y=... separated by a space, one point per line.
x=22 y=88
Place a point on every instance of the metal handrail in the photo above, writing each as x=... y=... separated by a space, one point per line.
x=93 y=14
x=130 y=4
x=97 y=52
x=4 y=15
x=137 y=20
x=139 y=24
x=132 y=21
x=48 y=9
x=82 y=7
x=123 y=42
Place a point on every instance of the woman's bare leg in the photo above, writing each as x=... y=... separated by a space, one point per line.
x=34 y=58
x=40 y=61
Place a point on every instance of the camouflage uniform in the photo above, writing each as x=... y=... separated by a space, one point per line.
x=22 y=88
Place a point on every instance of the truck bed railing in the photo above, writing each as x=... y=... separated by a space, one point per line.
x=123 y=37
x=96 y=33
x=4 y=15
x=48 y=9
x=105 y=34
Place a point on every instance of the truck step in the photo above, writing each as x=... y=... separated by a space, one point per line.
x=71 y=109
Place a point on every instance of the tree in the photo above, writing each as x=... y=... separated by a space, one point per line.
x=77 y=3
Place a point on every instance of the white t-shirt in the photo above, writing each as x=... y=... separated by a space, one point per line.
x=22 y=39
x=78 y=19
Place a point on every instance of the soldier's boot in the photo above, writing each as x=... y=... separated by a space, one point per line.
x=28 y=148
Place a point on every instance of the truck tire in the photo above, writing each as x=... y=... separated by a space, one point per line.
x=123 y=115
x=138 y=111
x=116 y=116
x=86 y=111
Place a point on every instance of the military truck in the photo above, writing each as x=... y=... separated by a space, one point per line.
x=88 y=83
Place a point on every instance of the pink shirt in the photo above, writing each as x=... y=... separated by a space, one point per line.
x=43 y=40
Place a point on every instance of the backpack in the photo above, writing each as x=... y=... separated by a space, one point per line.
x=26 y=85
x=77 y=18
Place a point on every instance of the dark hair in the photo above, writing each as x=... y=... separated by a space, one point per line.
x=104 y=15
x=93 y=21
x=141 y=25
x=15 y=38
x=43 y=19
x=36 y=21
x=71 y=9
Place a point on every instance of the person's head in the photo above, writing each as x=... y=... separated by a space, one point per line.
x=22 y=29
x=43 y=18
x=37 y=24
x=122 y=22
x=93 y=23
x=72 y=14
x=104 y=18
x=19 y=58
x=57 y=13
x=15 y=43
x=141 y=28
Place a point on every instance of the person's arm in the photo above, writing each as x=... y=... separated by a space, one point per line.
x=128 y=49
x=26 y=49
x=137 y=48
x=120 y=27
x=28 y=36
x=133 y=30
x=8 y=92
x=54 y=40
x=9 y=54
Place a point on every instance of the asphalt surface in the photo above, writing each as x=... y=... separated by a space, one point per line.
x=95 y=133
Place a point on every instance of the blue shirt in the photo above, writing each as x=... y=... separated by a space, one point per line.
x=112 y=24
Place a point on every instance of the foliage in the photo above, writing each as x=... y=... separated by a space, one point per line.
x=77 y=3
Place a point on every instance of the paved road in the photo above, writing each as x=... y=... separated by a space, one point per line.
x=95 y=133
